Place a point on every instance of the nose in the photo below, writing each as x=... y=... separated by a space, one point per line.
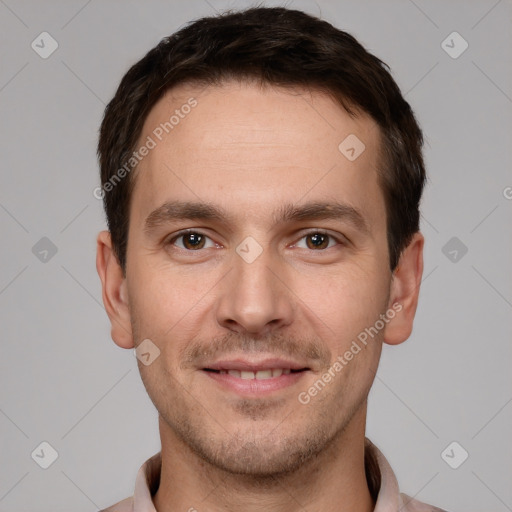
x=254 y=298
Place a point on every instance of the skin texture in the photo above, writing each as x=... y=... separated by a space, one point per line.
x=252 y=152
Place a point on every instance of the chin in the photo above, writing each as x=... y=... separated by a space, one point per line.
x=261 y=460
x=257 y=452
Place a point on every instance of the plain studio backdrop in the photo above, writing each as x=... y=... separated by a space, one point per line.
x=444 y=395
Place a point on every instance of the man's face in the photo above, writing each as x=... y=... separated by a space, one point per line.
x=257 y=253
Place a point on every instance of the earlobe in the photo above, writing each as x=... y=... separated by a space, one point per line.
x=404 y=292
x=114 y=292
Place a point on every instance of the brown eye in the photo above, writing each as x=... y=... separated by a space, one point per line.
x=192 y=241
x=317 y=241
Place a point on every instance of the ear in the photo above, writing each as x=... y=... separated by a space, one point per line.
x=115 y=297
x=404 y=292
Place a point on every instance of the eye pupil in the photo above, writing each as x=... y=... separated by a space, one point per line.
x=193 y=241
x=317 y=241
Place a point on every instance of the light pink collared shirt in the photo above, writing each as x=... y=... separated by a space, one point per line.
x=381 y=481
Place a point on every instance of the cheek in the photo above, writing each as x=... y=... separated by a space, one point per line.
x=344 y=302
x=170 y=308
x=160 y=296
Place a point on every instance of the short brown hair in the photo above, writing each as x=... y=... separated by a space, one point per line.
x=277 y=46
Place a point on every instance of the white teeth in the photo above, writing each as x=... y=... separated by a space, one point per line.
x=259 y=375
x=264 y=374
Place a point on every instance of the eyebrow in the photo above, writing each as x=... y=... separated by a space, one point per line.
x=187 y=210
x=323 y=211
x=181 y=210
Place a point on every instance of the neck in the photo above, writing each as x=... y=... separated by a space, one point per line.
x=334 y=481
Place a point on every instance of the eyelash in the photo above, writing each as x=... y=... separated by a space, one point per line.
x=182 y=234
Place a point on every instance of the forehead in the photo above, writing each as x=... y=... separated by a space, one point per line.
x=244 y=145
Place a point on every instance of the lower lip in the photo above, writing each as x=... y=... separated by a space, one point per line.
x=255 y=386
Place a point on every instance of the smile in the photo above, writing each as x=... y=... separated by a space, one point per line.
x=254 y=379
x=259 y=375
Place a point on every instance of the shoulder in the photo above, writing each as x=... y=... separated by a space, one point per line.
x=123 y=506
x=409 y=504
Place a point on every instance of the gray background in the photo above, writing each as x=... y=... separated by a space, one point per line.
x=65 y=382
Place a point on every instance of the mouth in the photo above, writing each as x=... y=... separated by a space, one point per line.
x=255 y=378
x=258 y=374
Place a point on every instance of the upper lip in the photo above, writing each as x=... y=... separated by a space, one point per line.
x=254 y=366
